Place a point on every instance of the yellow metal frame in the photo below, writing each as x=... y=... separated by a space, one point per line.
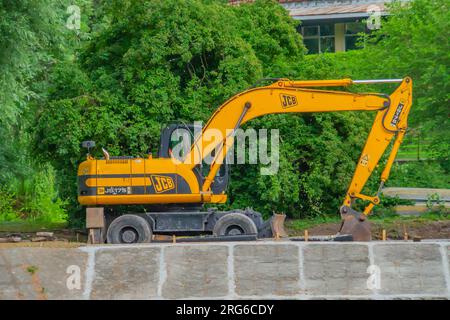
x=265 y=100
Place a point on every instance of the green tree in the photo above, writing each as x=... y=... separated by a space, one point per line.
x=414 y=41
x=33 y=38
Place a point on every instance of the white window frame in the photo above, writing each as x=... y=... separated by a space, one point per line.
x=319 y=36
x=351 y=35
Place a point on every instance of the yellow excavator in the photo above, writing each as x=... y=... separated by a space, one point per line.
x=172 y=190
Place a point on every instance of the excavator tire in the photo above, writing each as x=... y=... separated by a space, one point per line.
x=129 y=228
x=234 y=224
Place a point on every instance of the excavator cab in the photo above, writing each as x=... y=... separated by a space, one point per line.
x=176 y=141
x=174 y=134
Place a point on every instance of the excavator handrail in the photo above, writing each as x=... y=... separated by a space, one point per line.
x=377 y=81
x=336 y=82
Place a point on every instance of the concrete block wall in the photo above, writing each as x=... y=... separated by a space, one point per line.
x=240 y=270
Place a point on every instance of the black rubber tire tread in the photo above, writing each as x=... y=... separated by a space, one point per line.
x=235 y=218
x=129 y=220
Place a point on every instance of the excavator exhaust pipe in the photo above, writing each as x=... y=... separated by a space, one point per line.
x=356 y=224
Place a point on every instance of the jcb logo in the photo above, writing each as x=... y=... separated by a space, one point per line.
x=364 y=160
x=162 y=183
x=288 y=101
x=398 y=112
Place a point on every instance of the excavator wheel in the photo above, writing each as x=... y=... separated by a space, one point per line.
x=129 y=228
x=355 y=224
x=233 y=224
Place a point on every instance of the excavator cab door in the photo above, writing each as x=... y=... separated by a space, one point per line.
x=175 y=134
x=221 y=179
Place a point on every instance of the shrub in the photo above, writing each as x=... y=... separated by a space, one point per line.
x=7 y=212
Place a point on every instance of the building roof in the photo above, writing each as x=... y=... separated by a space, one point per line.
x=337 y=11
x=328 y=9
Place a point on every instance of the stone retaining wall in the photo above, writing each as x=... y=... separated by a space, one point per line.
x=240 y=270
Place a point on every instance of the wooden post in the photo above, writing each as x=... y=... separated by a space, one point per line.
x=383 y=235
x=306 y=235
x=91 y=237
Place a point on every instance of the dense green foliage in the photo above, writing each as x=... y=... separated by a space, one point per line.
x=415 y=42
x=159 y=61
x=31 y=40
x=138 y=65
x=421 y=174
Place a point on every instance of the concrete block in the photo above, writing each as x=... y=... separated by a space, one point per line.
x=410 y=269
x=335 y=269
x=126 y=273
x=266 y=270
x=195 y=271
x=40 y=273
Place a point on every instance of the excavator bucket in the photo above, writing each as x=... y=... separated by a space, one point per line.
x=273 y=228
x=355 y=224
x=277 y=226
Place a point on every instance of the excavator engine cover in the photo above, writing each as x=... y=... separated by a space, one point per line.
x=355 y=224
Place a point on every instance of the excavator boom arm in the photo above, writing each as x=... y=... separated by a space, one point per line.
x=286 y=96
x=388 y=124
